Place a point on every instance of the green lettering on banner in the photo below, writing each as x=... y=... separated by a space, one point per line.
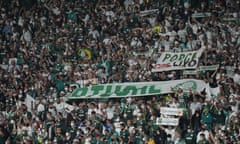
x=118 y=90
x=144 y=90
x=80 y=92
x=126 y=90
x=173 y=58
x=152 y=90
x=181 y=57
x=167 y=56
x=135 y=89
x=96 y=89
x=187 y=58
x=194 y=55
x=107 y=91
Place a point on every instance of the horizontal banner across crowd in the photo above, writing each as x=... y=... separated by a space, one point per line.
x=134 y=89
x=200 y=69
x=177 y=61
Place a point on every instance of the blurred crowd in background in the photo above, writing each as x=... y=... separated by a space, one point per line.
x=50 y=47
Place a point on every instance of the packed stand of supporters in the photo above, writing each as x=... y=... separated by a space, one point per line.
x=50 y=47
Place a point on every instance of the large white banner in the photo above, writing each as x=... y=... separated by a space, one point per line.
x=134 y=89
x=177 y=61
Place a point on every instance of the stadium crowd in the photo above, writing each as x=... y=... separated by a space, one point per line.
x=50 y=47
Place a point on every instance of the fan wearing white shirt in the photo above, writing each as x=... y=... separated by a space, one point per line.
x=203 y=131
x=166 y=42
x=170 y=130
x=110 y=110
x=174 y=103
x=236 y=77
x=176 y=47
x=92 y=107
x=172 y=33
x=191 y=44
x=182 y=31
x=59 y=105
x=194 y=105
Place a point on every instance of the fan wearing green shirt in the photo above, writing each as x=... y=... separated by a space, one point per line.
x=2 y=136
x=218 y=114
x=124 y=133
x=137 y=136
x=206 y=117
x=190 y=136
x=59 y=137
x=107 y=136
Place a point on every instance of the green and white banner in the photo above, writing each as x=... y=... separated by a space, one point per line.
x=190 y=72
x=134 y=89
x=167 y=121
x=200 y=15
x=208 y=68
x=149 y=12
x=177 y=61
x=171 y=111
x=200 y=69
